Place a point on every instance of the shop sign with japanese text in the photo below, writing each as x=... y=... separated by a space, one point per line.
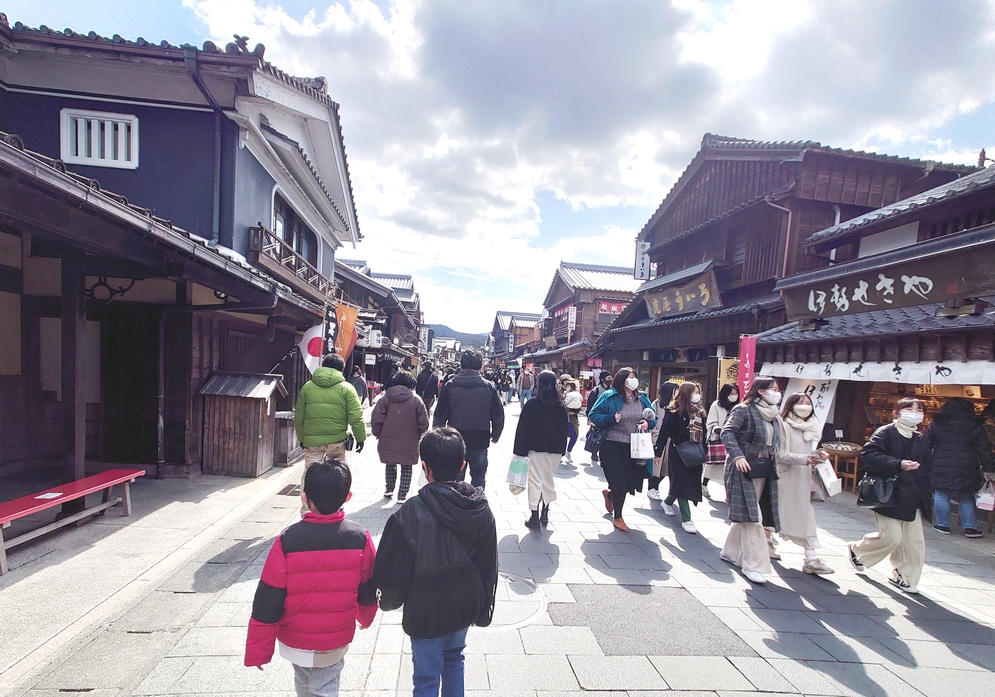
x=700 y=294
x=611 y=307
x=918 y=282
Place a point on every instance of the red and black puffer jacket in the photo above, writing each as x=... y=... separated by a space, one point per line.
x=314 y=588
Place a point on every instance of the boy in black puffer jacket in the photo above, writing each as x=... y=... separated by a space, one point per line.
x=960 y=450
x=438 y=557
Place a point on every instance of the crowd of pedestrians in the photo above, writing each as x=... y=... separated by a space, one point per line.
x=438 y=554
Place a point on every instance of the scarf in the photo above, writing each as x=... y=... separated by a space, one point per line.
x=697 y=425
x=905 y=431
x=770 y=414
x=810 y=429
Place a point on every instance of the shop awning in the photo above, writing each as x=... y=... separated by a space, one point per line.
x=905 y=372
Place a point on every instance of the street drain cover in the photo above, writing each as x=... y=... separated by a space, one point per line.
x=519 y=604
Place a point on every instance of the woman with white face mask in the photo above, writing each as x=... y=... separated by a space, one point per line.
x=897 y=451
x=684 y=421
x=717 y=415
x=795 y=460
x=752 y=436
x=622 y=410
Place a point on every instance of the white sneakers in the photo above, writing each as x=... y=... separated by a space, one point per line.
x=668 y=509
x=655 y=495
x=755 y=577
x=689 y=528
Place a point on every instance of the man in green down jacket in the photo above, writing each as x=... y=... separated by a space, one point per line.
x=326 y=407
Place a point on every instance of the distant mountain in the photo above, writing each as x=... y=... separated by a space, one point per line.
x=468 y=340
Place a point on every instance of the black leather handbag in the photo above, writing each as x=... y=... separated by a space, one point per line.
x=875 y=491
x=692 y=454
x=761 y=468
x=594 y=438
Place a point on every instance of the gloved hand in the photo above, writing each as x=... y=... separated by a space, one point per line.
x=359 y=446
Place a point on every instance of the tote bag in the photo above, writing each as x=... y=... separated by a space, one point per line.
x=986 y=497
x=518 y=474
x=641 y=446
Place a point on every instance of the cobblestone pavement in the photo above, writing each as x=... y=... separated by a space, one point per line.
x=157 y=604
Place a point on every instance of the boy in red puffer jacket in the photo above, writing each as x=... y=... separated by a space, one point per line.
x=315 y=586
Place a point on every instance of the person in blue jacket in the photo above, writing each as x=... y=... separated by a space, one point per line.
x=622 y=410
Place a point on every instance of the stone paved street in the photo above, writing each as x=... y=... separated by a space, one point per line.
x=157 y=604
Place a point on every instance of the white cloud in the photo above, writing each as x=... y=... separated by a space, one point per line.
x=457 y=113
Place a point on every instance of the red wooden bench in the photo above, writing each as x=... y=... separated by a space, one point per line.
x=56 y=496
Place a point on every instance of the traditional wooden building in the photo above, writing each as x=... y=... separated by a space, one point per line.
x=582 y=302
x=511 y=332
x=166 y=212
x=911 y=312
x=733 y=224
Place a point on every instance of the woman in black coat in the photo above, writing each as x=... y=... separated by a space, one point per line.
x=682 y=422
x=542 y=437
x=897 y=452
x=960 y=450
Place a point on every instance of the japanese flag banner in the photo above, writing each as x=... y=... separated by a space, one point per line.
x=312 y=346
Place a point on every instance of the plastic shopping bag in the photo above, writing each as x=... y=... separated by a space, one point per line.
x=985 y=499
x=518 y=474
x=828 y=477
x=641 y=446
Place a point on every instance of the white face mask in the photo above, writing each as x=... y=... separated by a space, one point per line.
x=695 y=398
x=773 y=398
x=632 y=384
x=733 y=398
x=802 y=410
x=909 y=417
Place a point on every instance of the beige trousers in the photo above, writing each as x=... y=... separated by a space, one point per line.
x=903 y=540
x=746 y=543
x=317 y=454
x=542 y=469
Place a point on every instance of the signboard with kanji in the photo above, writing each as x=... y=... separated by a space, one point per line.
x=642 y=267
x=747 y=363
x=962 y=273
x=611 y=307
x=701 y=293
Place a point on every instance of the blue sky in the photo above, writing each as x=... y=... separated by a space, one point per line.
x=488 y=141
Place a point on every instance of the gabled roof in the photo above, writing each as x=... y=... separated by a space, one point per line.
x=504 y=318
x=716 y=147
x=613 y=279
x=964 y=186
x=394 y=281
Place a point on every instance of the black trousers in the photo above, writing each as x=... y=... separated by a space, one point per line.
x=624 y=474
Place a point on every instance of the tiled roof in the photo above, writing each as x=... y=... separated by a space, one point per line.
x=964 y=186
x=355 y=263
x=765 y=303
x=504 y=318
x=394 y=281
x=796 y=149
x=553 y=351
x=168 y=233
x=676 y=276
x=918 y=319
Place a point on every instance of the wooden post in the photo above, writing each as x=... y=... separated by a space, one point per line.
x=73 y=394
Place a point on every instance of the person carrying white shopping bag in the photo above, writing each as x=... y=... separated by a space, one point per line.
x=541 y=437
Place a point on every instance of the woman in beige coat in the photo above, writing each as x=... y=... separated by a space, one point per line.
x=795 y=459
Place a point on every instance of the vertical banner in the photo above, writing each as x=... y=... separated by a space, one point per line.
x=346 y=319
x=641 y=269
x=728 y=372
x=747 y=363
x=331 y=328
x=821 y=392
x=572 y=318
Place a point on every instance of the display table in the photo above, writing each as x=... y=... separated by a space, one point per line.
x=845 y=462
